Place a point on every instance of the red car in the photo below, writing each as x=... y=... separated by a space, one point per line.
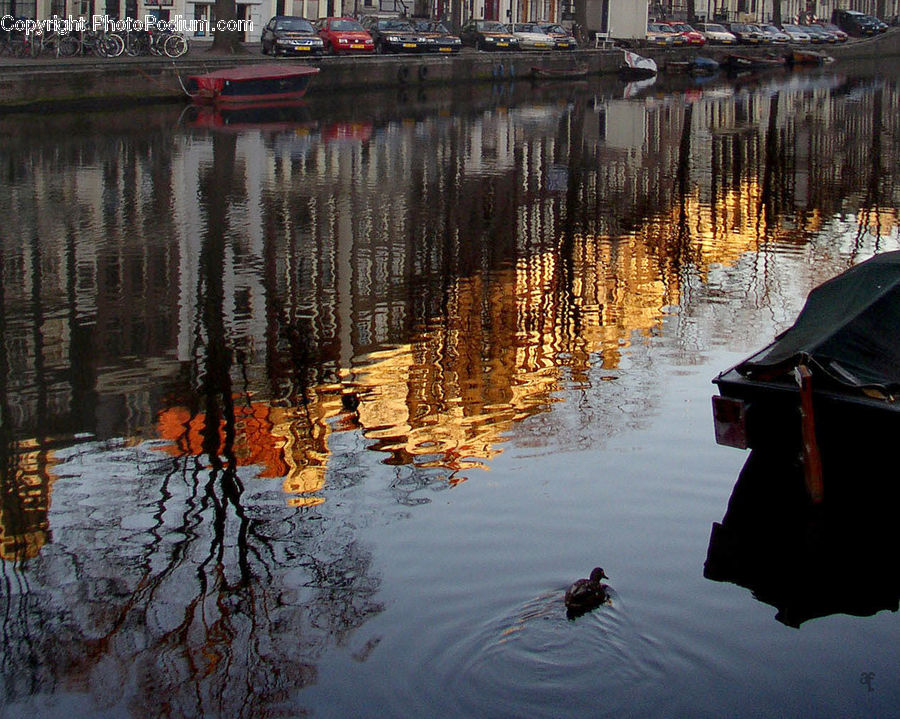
x=691 y=36
x=345 y=36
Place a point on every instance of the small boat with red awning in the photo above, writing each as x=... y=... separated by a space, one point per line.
x=252 y=83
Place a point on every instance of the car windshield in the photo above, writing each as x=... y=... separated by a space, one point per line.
x=490 y=27
x=683 y=27
x=293 y=24
x=394 y=25
x=771 y=28
x=529 y=27
x=440 y=27
x=558 y=29
x=346 y=26
x=715 y=28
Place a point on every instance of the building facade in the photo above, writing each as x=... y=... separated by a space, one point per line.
x=763 y=10
x=603 y=15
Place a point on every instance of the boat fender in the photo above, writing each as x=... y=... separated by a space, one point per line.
x=403 y=74
x=423 y=72
x=500 y=70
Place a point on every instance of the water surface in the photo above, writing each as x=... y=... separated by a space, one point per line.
x=317 y=411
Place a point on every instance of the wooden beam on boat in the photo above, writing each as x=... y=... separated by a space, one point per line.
x=812 y=460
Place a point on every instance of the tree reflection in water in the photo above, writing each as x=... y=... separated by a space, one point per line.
x=226 y=609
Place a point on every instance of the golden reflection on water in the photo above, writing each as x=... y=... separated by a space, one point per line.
x=25 y=502
x=546 y=239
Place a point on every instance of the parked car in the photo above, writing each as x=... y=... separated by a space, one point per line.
x=797 y=33
x=764 y=37
x=439 y=37
x=745 y=33
x=488 y=35
x=774 y=34
x=531 y=36
x=659 y=36
x=839 y=34
x=344 y=36
x=291 y=35
x=855 y=23
x=394 y=34
x=818 y=34
x=716 y=34
x=564 y=41
x=690 y=35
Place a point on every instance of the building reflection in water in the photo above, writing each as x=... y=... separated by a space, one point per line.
x=204 y=311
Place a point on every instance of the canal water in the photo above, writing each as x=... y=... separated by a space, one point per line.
x=317 y=410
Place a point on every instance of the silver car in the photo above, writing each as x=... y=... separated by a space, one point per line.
x=774 y=34
x=796 y=33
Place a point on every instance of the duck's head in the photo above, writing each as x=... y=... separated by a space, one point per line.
x=597 y=574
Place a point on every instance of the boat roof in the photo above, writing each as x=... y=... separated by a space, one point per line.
x=261 y=71
x=849 y=328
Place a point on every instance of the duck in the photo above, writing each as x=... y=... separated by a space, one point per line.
x=587 y=594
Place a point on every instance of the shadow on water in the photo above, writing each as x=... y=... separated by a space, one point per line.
x=811 y=560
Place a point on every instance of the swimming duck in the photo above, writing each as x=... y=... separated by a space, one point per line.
x=587 y=594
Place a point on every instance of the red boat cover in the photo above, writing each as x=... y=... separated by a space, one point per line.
x=210 y=85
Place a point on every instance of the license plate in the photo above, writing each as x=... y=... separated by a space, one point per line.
x=305 y=48
x=445 y=49
x=357 y=47
x=502 y=44
x=409 y=44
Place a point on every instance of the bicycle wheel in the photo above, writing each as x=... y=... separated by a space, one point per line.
x=175 y=46
x=69 y=46
x=157 y=45
x=136 y=45
x=19 y=48
x=115 y=45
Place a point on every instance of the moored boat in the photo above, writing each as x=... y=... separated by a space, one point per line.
x=566 y=73
x=252 y=84
x=737 y=63
x=833 y=378
x=637 y=67
x=807 y=57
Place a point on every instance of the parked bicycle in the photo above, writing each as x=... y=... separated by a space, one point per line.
x=101 y=44
x=53 y=44
x=144 y=42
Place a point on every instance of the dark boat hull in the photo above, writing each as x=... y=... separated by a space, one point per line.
x=575 y=73
x=251 y=84
x=768 y=414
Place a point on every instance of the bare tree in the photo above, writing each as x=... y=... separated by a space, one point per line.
x=226 y=41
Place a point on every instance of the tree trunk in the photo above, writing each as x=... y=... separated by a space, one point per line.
x=226 y=41
x=692 y=12
x=776 y=12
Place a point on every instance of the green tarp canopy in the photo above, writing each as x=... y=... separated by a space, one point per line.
x=849 y=329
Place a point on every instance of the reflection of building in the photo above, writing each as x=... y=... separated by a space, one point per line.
x=25 y=502
x=451 y=270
